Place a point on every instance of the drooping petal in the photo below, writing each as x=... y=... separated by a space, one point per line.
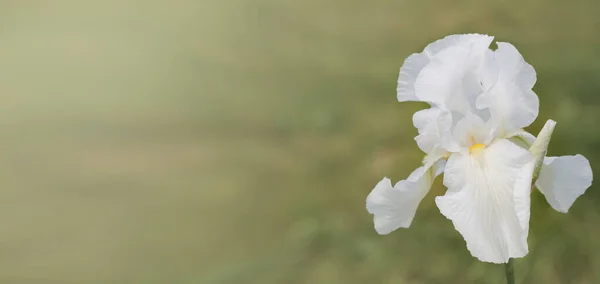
x=563 y=179
x=522 y=195
x=413 y=65
x=488 y=200
x=511 y=101
x=395 y=206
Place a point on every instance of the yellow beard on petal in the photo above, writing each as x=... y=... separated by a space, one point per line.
x=477 y=153
x=477 y=149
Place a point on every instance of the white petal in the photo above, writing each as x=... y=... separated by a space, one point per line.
x=563 y=179
x=461 y=39
x=512 y=66
x=423 y=118
x=470 y=130
x=395 y=207
x=408 y=75
x=511 y=100
x=442 y=78
x=488 y=200
x=454 y=78
x=413 y=65
x=434 y=126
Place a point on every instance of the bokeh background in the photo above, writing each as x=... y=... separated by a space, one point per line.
x=235 y=141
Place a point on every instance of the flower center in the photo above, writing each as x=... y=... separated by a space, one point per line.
x=477 y=148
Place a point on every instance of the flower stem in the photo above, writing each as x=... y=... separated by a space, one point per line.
x=509 y=269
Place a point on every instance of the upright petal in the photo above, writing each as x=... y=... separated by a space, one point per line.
x=413 y=65
x=510 y=100
x=488 y=200
x=453 y=78
x=563 y=179
x=460 y=39
x=408 y=75
x=395 y=207
x=442 y=79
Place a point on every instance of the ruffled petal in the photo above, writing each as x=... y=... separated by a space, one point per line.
x=488 y=200
x=442 y=79
x=408 y=75
x=414 y=64
x=453 y=78
x=563 y=179
x=511 y=101
x=395 y=207
x=460 y=39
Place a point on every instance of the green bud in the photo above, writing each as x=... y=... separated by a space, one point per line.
x=540 y=146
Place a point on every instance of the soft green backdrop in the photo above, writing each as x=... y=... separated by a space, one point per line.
x=235 y=141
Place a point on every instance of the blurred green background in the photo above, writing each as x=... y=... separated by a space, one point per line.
x=235 y=141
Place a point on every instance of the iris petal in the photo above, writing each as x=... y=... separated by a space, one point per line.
x=414 y=64
x=512 y=103
x=395 y=206
x=434 y=125
x=563 y=179
x=488 y=200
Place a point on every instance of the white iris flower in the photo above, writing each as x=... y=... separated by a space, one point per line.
x=480 y=101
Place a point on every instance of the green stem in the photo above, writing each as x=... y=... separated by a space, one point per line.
x=509 y=269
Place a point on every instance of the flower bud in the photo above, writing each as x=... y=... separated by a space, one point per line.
x=540 y=146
